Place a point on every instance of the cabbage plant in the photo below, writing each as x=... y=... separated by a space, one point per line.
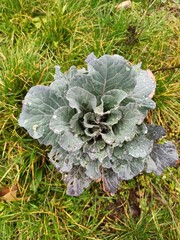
x=94 y=119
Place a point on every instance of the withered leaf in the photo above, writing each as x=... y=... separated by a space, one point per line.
x=9 y=194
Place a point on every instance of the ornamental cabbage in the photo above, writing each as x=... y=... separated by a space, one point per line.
x=94 y=120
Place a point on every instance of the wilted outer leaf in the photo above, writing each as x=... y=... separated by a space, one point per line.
x=76 y=181
x=110 y=181
x=60 y=159
x=155 y=132
x=164 y=155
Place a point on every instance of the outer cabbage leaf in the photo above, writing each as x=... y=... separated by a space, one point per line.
x=61 y=81
x=164 y=155
x=93 y=169
x=140 y=146
x=155 y=132
x=90 y=58
x=110 y=181
x=145 y=85
x=127 y=169
x=59 y=76
x=70 y=142
x=49 y=138
x=76 y=181
x=149 y=165
x=105 y=74
x=38 y=108
x=61 y=160
x=60 y=85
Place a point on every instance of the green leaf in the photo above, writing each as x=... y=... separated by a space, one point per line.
x=126 y=128
x=61 y=159
x=61 y=119
x=113 y=98
x=76 y=124
x=70 y=142
x=37 y=111
x=81 y=99
x=128 y=169
x=105 y=74
x=36 y=180
x=140 y=146
x=90 y=120
x=93 y=169
x=113 y=117
x=145 y=85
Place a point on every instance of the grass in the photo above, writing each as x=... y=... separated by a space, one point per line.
x=34 y=37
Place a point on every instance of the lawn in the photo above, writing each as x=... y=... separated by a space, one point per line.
x=37 y=35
